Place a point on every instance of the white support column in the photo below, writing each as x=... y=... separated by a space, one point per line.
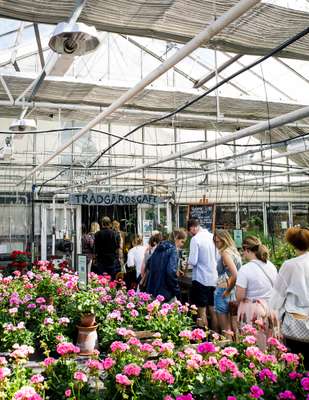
x=177 y=215
x=139 y=219
x=265 y=225
x=169 y=222
x=43 y=232
x=290 y=214
x=78 y=224
x=237 y=215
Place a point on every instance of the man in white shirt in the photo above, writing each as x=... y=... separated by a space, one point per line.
x=202 y=258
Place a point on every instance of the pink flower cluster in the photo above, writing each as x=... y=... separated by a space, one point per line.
x=266 y=373
x=65 y=348
x=4 y=372
x=123 y=380
x=80 y=376
x=26 y=393
x=22 y=351
x=119 y=346
x=38 y=378
x=163 y=375
x=256 y=392
x=132 y=370
x=206 y=347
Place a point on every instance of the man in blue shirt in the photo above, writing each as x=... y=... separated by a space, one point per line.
x=202 y=258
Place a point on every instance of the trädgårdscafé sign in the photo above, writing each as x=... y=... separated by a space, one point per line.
x=111 y=199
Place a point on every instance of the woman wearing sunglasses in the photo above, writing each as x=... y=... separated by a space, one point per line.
x=254 y=286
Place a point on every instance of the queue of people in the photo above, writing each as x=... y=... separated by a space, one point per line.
x=226 y=293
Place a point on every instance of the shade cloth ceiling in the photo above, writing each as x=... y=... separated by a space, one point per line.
x=63 y=90
x=146 y=106
x=258 y=31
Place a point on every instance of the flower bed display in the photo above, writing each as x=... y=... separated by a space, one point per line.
x=39 y=312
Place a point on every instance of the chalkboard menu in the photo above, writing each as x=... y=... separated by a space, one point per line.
x=205 y=213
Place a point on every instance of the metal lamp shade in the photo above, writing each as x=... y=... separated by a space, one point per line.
x=23 y=125
x=77 y=39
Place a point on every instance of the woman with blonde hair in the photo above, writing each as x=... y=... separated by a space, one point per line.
x=254 y=286
x=227 y=266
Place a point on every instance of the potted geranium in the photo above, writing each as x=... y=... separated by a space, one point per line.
x=87 y=302
x=20 y=260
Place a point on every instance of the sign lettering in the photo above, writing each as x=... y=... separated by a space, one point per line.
x=110 y=199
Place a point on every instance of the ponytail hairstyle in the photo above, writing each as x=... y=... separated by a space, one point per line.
x=137 y=240
x=254 y=244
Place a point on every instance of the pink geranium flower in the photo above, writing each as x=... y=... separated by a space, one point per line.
x=287 y=394
x=123 y=380
x=163 y=375
x=206 y=347
x=198 y=334
x=80 y=376
x=256 y=392
x=67 y=348
x=38 y=378
x=26 y=393
x=132 y=370
x=108 y=363
x=305 y=383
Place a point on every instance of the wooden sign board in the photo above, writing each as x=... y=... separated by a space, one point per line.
x=205 y=213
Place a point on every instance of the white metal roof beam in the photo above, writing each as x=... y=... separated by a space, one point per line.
x=203 y=37
x=202 y=64
x=7 y=90
x=160 y=58
x=222 y=67
x=251 y=130
x=39 y=44
x=263 y=80
x=17 y=42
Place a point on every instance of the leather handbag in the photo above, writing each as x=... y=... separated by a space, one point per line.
x=295 y=327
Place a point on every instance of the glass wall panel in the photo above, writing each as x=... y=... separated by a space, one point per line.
x=251 y=216
x=301 y=214
x=226 y=216
x=277 y=219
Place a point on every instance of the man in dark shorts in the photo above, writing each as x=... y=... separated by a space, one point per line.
x=202 y=258
x=107 y=244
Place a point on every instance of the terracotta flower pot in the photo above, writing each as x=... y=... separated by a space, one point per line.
x=87 y=339
x=87 y=320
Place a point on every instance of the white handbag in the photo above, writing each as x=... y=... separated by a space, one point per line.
x=295 y=328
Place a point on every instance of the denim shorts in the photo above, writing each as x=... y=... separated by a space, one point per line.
x=221 y=303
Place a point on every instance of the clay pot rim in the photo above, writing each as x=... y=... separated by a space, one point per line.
x=87 y=327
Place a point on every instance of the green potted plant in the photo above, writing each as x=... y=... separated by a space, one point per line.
x=86 y=302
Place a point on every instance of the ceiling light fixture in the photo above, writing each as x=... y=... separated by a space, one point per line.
x=23 y=125
x=76 y=40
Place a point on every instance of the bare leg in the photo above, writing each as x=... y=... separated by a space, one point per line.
x=202 y=317
x=213 y=317
x=224 y=322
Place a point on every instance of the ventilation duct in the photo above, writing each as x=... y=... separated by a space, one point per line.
x=76 y=40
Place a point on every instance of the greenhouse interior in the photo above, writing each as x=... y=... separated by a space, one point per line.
x=154 y=199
